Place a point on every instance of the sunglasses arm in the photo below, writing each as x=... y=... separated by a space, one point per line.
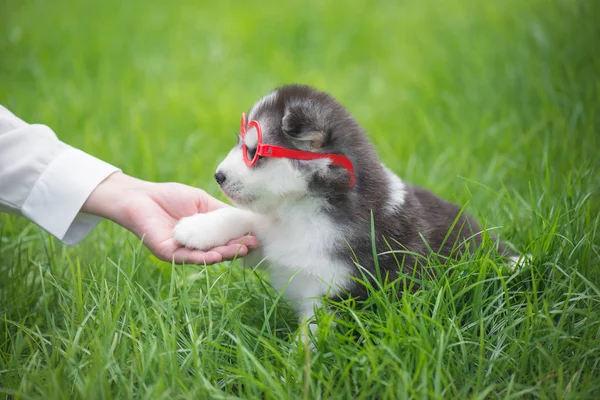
x=267 y=150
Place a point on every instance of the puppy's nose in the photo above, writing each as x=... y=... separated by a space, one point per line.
x=220 y=177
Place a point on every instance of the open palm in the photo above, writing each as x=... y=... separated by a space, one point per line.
x=153 y=214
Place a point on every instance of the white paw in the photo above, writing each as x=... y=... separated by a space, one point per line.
x=307 y=337
x=201 y=231
x=518 y=261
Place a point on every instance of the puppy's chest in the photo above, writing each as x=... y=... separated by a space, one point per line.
x=306 y=245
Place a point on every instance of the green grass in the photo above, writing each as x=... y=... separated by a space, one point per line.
x=493 y=104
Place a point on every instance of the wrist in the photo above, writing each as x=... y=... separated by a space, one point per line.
x=112 y=196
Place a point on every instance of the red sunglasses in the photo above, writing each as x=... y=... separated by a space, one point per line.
x=267 y=150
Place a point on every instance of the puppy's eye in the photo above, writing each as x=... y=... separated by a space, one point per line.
x=250 y=152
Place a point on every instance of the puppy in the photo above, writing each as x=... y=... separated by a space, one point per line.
x=312 y=189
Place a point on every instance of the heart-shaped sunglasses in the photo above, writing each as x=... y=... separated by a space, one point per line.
x=267 y=150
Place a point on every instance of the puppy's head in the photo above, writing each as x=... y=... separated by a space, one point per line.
x=297 y=118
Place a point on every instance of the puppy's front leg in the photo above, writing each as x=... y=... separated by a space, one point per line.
x=207 y=230
x=256 y=259
x=308 y=326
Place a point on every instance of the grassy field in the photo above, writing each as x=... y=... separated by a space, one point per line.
x=492 y=104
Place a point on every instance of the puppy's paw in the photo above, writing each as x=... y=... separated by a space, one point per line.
x=517 y=261
x=304 y=340
x=215 y=228
x=201 y=231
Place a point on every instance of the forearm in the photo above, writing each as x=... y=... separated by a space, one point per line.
x=26 y=151
x=45 y=179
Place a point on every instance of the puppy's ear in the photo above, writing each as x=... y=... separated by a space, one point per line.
x=300 y=126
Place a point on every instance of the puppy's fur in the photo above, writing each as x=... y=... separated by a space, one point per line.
x=314 y=229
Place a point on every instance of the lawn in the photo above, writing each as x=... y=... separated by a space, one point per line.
x=492 y=104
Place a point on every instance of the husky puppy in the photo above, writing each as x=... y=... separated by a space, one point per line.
x=314 y=216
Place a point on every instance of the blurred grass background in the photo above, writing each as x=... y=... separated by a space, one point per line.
x=494 y=103
x=439 y=87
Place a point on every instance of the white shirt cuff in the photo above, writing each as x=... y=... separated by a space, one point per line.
x=55 y=201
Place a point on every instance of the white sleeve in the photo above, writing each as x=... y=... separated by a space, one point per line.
x=46 y=180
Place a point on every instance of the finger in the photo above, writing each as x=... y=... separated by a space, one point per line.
x=249 y=241
x=189 y=256
x=229 y=252
x=208 y=203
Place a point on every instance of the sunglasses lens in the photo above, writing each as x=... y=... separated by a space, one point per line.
x=250 y=140
x=251 y=137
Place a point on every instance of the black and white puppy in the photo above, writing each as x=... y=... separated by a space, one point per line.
x=314 y=225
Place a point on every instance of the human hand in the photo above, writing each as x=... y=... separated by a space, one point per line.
x=151 y=211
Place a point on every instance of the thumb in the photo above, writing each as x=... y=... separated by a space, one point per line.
x=208 y=203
